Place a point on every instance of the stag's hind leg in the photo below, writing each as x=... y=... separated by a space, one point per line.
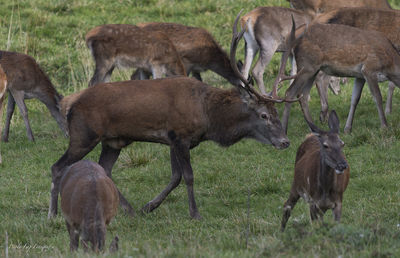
x=9 y=114
x=388 y=109
x=288 y=207
x=102 y=72
x=19 y=99
x=108 y=157
x=355 y=98
x=377 y=96
x=73 y=237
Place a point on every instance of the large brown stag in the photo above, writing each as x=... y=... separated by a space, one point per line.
x=180 y=112
x=197 y=48
x=24 y=79
x=321 y=173
x=128 y=46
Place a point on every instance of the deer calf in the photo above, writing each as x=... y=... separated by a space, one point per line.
x=25 y=80
x=321 y=173
x=89 y=200
x=126 y=46
x=180 y=112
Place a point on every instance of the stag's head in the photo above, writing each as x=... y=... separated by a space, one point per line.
x=331 y=144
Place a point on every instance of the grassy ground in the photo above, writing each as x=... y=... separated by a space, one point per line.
x=53 y=33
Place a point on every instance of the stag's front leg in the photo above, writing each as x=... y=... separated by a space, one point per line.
x=10 y=112
x=337 y=211
x=355 y=98
x=288 y=207
x=176 y=177
x=388 y=109
x=19 y=99
x=108 y=157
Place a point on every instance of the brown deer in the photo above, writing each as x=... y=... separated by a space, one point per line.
x=25 y=80
x=266 y=30
x=197 y=48
x=3 y=89
x=314 y=7
x=384 y=21
x=180 y=112
x=321 y=173
x=366 y=55
x=124 y=45
x=89 y=200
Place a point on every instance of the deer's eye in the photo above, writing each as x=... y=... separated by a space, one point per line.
x=326 y=146
x=264 y=116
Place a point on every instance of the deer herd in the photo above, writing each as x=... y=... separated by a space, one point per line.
x=323 y=39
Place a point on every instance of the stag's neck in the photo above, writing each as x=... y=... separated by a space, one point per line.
x=220 y=64
x=227 y=117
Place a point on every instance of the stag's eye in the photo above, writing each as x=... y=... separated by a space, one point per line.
x=264 y=116
x=326 y=146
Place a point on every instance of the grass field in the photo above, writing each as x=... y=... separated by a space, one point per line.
x=53 y=33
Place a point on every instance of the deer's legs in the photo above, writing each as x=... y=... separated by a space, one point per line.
x=108 y=157
x=19 y=99
x=355 y=97
x=337 y=211
x=251 y=49
x=73 y=237
x=102 y=72
x=321 y=82
x=76 y=151
x=376 y=93
x=140 y=74
x=288 y=207
x=388 y=109
x=263 y=60
x=10 y=111
x=316 y=213
x=295 y=89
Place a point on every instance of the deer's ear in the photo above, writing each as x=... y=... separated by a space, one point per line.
x=245 y=95
x=333 y=122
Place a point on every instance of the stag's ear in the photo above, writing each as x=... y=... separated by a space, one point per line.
x=245 y=95
x=314 y=129
x=333 y=122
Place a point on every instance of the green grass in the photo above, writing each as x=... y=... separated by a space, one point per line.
x=53 y=33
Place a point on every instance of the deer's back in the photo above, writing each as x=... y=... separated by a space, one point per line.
x=143 y=110
x=384 y=21
x=23 y=73
x=84 y=186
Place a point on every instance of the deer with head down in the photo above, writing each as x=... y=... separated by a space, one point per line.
x=321 y=173
x=197 y=48
x=315 y=7
x=180 y=112
x=24 y=79
x=365 y=55
x=89 y=200
x=126 y=46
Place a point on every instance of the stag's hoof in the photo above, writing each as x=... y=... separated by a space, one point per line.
x=147 y=208
x=196 y=216
x=347 y=130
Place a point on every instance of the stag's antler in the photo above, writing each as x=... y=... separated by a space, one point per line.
x=247 y=85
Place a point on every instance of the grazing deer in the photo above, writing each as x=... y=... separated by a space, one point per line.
x=366 y=55
x=89 y=200
x=197 y=48
x=3 y=89
x=314 y=7
x=384 y=21
x=124 y=45
x=180 y=112
x=25 y=80
x=321 y=173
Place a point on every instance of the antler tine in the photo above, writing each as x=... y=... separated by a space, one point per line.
x=281 y=75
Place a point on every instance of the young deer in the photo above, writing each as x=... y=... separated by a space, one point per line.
x=124 y=45
x=25 y=80
x=180 y=112
x=366 y=55
x=384 y=21
x=314 y=7
x=197 y=48
x=321 y=173
x=89 y=200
